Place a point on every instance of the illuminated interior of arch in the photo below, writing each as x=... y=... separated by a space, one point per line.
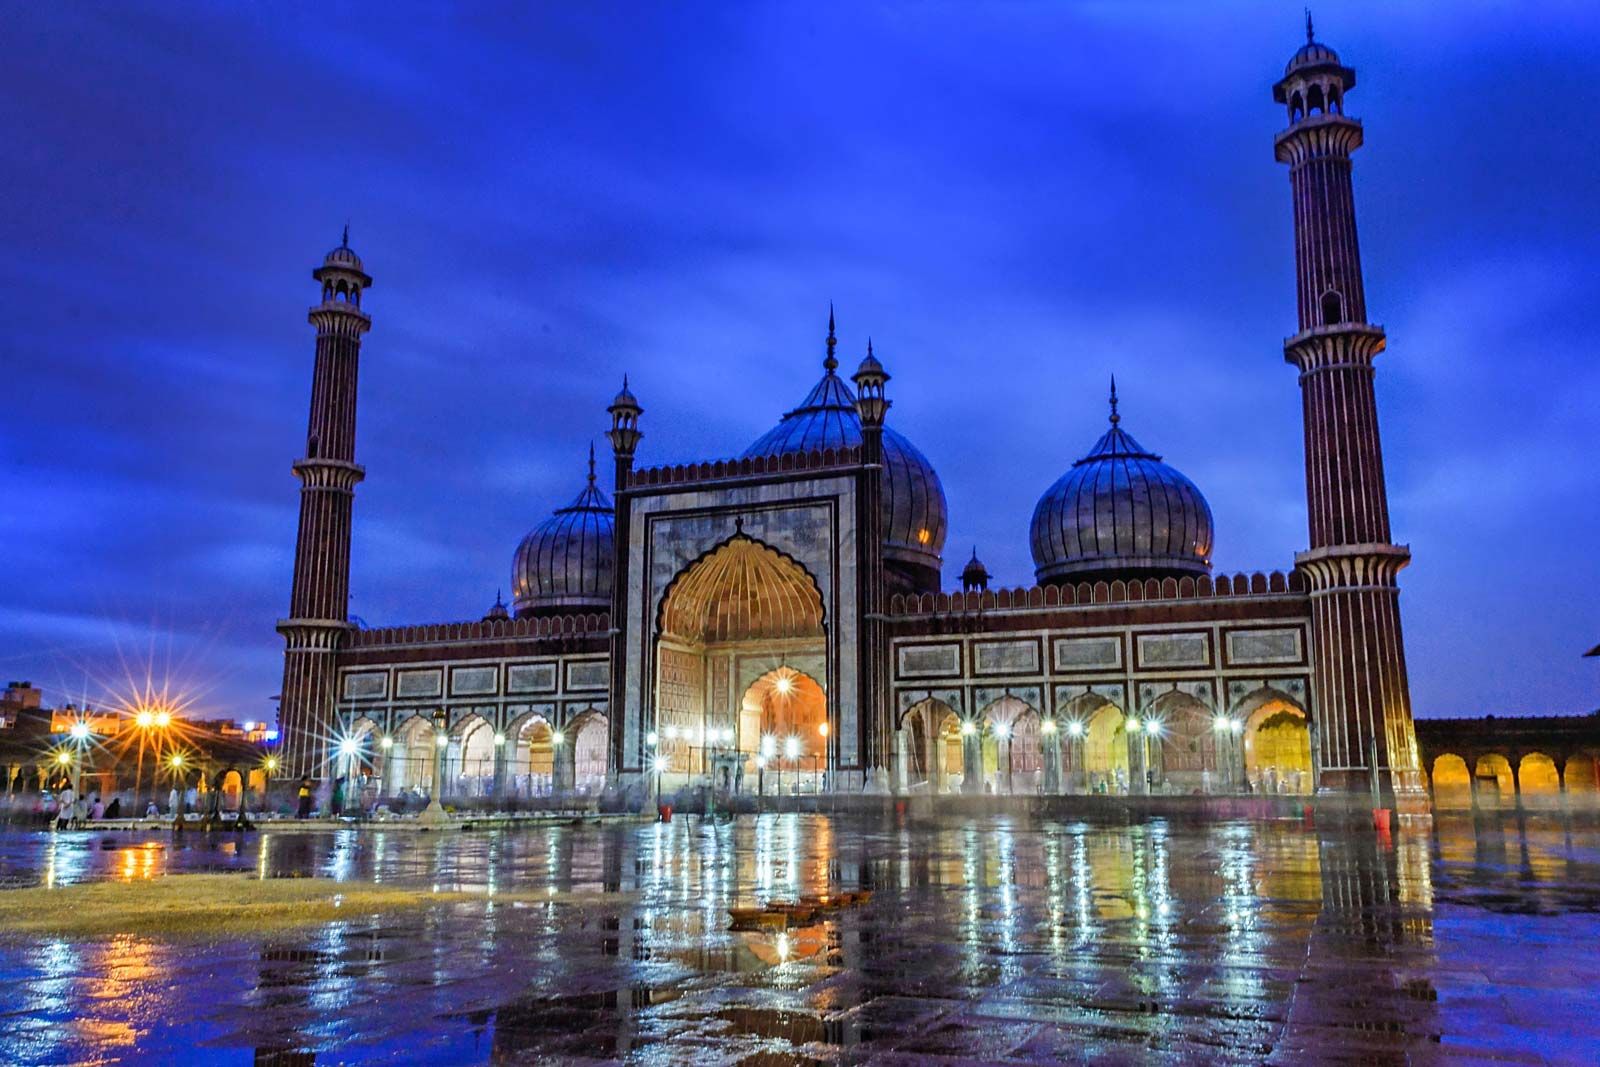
x=741 y=657
x=1277 y=749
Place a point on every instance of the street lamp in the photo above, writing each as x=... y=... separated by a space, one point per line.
x=1081 y=762
x=822 y=754
x=176 y=762
x=1002 y=735
x=1047 y=727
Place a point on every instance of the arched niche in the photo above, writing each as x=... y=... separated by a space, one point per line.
x=731 y=626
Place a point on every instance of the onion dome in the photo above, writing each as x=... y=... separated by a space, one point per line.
x=344 y=255
x=498 y=611
x=1120 y=513
x=565 y=564
x=625 y=398
x=974 y=576
x=914 y=511
x=1312 y=54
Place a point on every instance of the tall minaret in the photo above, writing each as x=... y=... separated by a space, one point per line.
x=624 y=436
x=319 y=602
x=876 y=742
x=1362 y=707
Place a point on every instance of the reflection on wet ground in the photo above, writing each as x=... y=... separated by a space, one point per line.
x=999 y=940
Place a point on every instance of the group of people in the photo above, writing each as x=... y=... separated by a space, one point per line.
x=72 y=810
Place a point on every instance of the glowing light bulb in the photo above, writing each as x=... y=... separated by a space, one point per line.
x=163 y=720
x=144 y=719
x=651 y=738
x=499 y=740
x=386 y=743
x=79 y=731
x=1001 y=730
x=1075 y=728
x=968 y=728
x=1048 y=726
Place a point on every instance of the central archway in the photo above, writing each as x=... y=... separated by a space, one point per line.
x=741 y=641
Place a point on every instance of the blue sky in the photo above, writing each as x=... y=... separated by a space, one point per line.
x=1015 y=201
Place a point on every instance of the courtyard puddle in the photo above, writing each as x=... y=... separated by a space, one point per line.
x=983 y=941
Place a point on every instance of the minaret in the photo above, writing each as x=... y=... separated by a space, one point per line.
x=624 y=436
x=1364 y=735
x=319 y=602
x=877 y=727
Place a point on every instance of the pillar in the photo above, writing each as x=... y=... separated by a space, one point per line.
x=319 y=600
x=1365 y=738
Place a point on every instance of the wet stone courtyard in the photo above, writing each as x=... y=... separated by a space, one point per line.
x=994 y=940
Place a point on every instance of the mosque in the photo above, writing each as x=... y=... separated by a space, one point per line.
x=775 y=621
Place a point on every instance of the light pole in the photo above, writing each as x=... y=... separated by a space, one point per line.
x=1048 y=729
x=349 y=749
x=63 y=760
x=1152 y=731
x=768 y=752
x=177 y=763
x=1081 y=761
x=386 y=781
x=1136 y=729
x=79 y=732
x=1002 y=736
x=558 y=760
x=822 y=757
x=433 y=814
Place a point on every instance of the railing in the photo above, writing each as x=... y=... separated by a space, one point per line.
x=1277 y=583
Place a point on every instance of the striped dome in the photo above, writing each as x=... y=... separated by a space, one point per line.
x=565 y=563
x=914 y=510
x=1120 y=512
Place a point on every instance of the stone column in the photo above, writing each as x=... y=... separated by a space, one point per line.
x=972 y=762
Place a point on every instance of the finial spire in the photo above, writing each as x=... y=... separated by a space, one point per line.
x=830 y=364
x=1115 y=418
x=344 y=239
x=1310 y=34
x=591 y=462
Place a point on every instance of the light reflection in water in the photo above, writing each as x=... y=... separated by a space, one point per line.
x=1252 y=930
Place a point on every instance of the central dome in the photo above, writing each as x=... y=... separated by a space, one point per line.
x=1120 y=513
x=914 y=511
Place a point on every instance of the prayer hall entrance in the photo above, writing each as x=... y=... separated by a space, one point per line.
x=741 y=670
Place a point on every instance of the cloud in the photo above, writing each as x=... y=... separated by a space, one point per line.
x=1013 y=205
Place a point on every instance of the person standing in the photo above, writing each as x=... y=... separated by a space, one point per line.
x=64 y=801
x=304 y=811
